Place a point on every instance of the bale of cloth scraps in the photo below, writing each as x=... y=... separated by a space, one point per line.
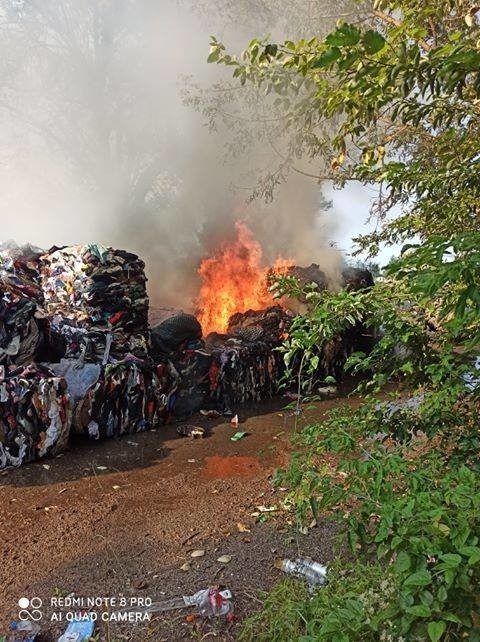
x=20 y=298
x=169 y=335
x=128 y=396
x=35 y=414
x=244 y=370
x=96 y=298
x=225 y=370
x=270 y=324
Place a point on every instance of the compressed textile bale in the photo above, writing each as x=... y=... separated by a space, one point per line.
x=35 y=414
x=96 y=298
x=20 y=298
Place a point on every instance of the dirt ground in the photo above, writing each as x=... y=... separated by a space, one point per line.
x=120 y=518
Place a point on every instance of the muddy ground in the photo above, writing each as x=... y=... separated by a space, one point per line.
x=121 y=517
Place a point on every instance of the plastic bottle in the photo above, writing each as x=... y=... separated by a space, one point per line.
x=80 y=631
x=313 y=572
x=23 y=631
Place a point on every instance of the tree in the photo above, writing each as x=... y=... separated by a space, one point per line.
x=405 y=93
x=255 y=120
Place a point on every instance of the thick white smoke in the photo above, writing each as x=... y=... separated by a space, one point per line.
x=96 y=143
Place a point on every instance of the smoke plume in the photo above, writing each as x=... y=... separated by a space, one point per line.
x=97 y=144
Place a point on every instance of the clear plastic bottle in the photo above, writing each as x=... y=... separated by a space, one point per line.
x=313 y=572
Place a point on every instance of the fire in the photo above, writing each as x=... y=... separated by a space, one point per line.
x=233 y=280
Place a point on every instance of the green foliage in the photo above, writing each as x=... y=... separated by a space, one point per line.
x=411 y=504
x=352 y=606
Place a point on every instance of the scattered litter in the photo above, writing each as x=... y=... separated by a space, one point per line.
x=224 y=559
x=46 y=466
x=198 y=553
x=210 y=414
x=266 y=509
x=102 y=468
x=133 y=443
x=234 y=420
x=210 y=602
x=191 y=461
x=63 y=490
x=314 y=573
x=327 y=391
x=238 y=435
x=24 y=631
x=140 y=585
x=242 y=528
x=185 y=567
x=188 y=430
x=79 y=631
x=116 y=487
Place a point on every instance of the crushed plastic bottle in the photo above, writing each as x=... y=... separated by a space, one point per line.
x=78 y=631
x=210 y=602
x=313 y=572
x=23 y=631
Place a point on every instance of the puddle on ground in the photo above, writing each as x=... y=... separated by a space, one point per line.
x=217 y=467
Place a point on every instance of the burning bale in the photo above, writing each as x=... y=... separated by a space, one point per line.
x=244 y=370
x=223 y=370
x=271 y=324
x=350 y=278
x=234 y=279
x=245 y=365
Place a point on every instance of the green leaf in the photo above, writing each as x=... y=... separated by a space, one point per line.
x=346 y=36
x=473 y=553
x=327 y=58
x=214 y=55
x=402 y=563
x=451 y=560
x=436 y=630
x=419 y=610
x=373 y=41
x=420 y=578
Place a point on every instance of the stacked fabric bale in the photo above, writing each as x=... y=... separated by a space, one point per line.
x=96 y=299
x=223 y=370
x=20 y=298
x=35 y=414
x=245 y=363
x=244 y=371
x=178 y=348
x=126 y=398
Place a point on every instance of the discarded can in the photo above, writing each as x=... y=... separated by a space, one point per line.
x=313 y=572
x=80 y=631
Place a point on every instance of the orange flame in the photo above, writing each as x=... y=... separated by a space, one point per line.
x=233 y=280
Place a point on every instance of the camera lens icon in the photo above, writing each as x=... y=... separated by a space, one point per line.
x=29 y=609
